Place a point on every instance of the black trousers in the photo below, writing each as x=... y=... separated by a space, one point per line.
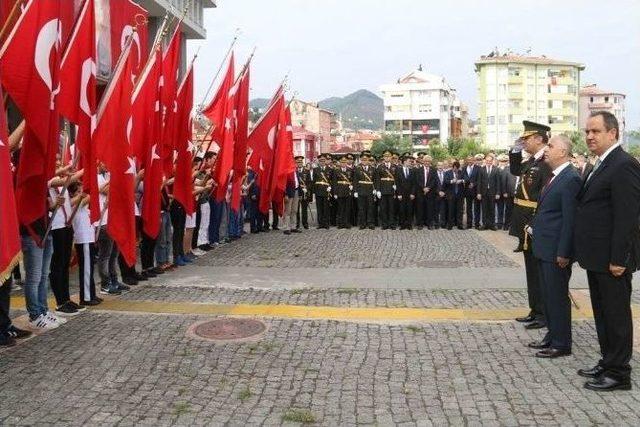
x=500 y=206
x=611 y=303
x=536 y=304
x=387 y=211
x=440 y=219
x=343 y=213
x=406 y=211
x=275 y=219
x=554 y=287
x=489 y=210
x=366 y=207
x=508 y=212
x=477 y=211
x=178 y=218
x=333 y=212
x=59 y=270
x=454 y=211
x=5 y=300
x=196 y=230
x=302 y=216
x=469 y=201
x=147 y=251
x=425 y=209
x=322 y=206
x=86 y=254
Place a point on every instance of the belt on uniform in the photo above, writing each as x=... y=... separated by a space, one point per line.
x=344 y=182
x=322 y=183
x=525 y=203
x=387 y=179
x=365 y=182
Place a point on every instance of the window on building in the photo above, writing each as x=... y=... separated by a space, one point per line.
x=541 y=105
x=397 y=95
x=424 y=108
x=514 y=103
x=591 y=99
x=444 y=108
x=514 y=72
x=502 y=89
x=491 y=120
x=606 y=99
x=615 y=99
x=502 y=120
x=387 y=108
x=502 y=104
x=530 y=105
x=530 y=88
x=555 y=119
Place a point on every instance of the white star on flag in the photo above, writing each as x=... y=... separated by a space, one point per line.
x=1 y=143
x=154 y=153
x=132 y=166
x=227 y=123
x=192 y=147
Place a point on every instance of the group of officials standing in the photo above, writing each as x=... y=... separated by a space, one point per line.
x=589 y=215
x=404 y=192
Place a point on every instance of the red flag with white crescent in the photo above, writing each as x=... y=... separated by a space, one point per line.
x=183 y=184
x=124 y=17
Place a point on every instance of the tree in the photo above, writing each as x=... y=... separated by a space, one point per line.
x=393 y=142
x=461 y=148
x=579 y=143
x=438 y=151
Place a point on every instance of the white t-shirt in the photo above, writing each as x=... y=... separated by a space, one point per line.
x=103 y=178
x=64 y=212
x=83 y=230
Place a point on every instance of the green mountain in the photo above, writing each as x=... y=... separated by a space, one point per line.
x=360 y=110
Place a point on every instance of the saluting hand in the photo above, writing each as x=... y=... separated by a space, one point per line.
x=617 y=270
x=562 y=262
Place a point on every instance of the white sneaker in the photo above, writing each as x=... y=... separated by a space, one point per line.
x=43 y=322
x=198 y=252
x=56 y=319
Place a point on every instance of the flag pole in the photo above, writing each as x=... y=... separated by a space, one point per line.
x=224 y=60
x=7 y=22
x=65 y=186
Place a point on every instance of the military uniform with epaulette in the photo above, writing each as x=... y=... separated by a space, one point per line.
x=322 y=192
x=342 y=188
x=385 y=184
x=364 y=191
x=533 y=174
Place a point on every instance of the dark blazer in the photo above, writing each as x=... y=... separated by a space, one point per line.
x=405 y=186
x=385 y=179
x=606 y=225
x=419 y=181
x=553 y=221
x=321 y=181
x=507 y=182
x=341 y=182
x=489 y=184
x=470 y=180
x=587 y=170
x=453 y=190
x=440 y=182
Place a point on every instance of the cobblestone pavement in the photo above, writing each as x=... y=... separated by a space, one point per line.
x=361 y=249
x=129 y=369
x=346 y=297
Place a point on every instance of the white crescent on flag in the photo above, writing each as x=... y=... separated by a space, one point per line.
x=49 y=37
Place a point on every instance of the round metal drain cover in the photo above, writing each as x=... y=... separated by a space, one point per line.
x=229 y=329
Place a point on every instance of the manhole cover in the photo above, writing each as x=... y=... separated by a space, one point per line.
x=229 y=329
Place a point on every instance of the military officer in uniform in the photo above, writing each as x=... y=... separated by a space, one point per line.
x=364 y=191
x=342 y=187
x=386 y=190
x=302 y=216
x=322 y=190
x=533 y=175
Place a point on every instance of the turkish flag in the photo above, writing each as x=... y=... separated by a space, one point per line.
x=10 y=247
x=29 y=69
x=170 y=69
x=146 y=143
x=241 y=135
x=224 y=164
x=112 y=148
x=216 y=110
x=183 y=184
x=125 y=15
x=262 y=143
x=283 y=163
x=6 y=6
x=77 y=99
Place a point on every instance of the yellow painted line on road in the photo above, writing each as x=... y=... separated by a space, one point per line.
x=372 y=314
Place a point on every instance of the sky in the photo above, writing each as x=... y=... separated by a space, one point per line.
x=335 y=47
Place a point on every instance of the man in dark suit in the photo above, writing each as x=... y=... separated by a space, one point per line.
x=322 y=190
x=552 y=245
x=425 y=183
x=305 y=196
x=342 y=188
x=405 y=182
x=607 y=245
x=470 y=176
x=441 y=198
x=453 y=188
x=532 y=176
x=508 y=188
x=489 y=192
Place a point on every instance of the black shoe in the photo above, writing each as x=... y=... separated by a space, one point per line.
x=149 y=274
x=594 y=372
x=287 y=232
x=449 y=228
x=372 y=227
x=76 y=306
x=140 y=277
x=552 y=353
x=6 y=340
x=296 y=230
x=18 y=333
x=460 y=228
x=536 y=324
x=130 y=281
x=605 y=383
x=362 y=227
x=66 y=310
x=539 y=345
x=276 y=228
x=157 y=270
x=492 y=228
x=120 y=286
x=393 y=227
x=528 y=318
x=91 y=302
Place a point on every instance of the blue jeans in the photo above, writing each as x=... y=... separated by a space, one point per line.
x=216 y=219
x=36 y=265
x=235 y=222
x=163 y=244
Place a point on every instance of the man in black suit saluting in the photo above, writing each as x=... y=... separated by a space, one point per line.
x=607 y=245
x=552 y=244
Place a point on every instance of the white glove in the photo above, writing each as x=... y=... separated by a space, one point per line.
x=335 y=197
x=529 y=231
x=394 y=186
x=379 y=194
x=355 y=195
x=304 y=190
x=328 y=189
x=350 y=187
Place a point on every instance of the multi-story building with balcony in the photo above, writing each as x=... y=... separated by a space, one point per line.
x=311 y=117
x=513 y=88
x=592 y=98
x=421 y=106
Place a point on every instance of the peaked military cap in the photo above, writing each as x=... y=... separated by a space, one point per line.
x=533 y=128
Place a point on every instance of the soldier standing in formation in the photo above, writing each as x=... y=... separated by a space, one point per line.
x=364 y=192
x=341 y=183
x=386 y=189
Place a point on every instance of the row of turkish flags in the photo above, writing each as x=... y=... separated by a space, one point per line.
x=138 y=122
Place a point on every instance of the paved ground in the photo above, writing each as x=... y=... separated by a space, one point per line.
x=117 y=366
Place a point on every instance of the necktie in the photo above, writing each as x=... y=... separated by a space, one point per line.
x=426 y=176
x=595 y=167
x=489 y=171
x=406 y=172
